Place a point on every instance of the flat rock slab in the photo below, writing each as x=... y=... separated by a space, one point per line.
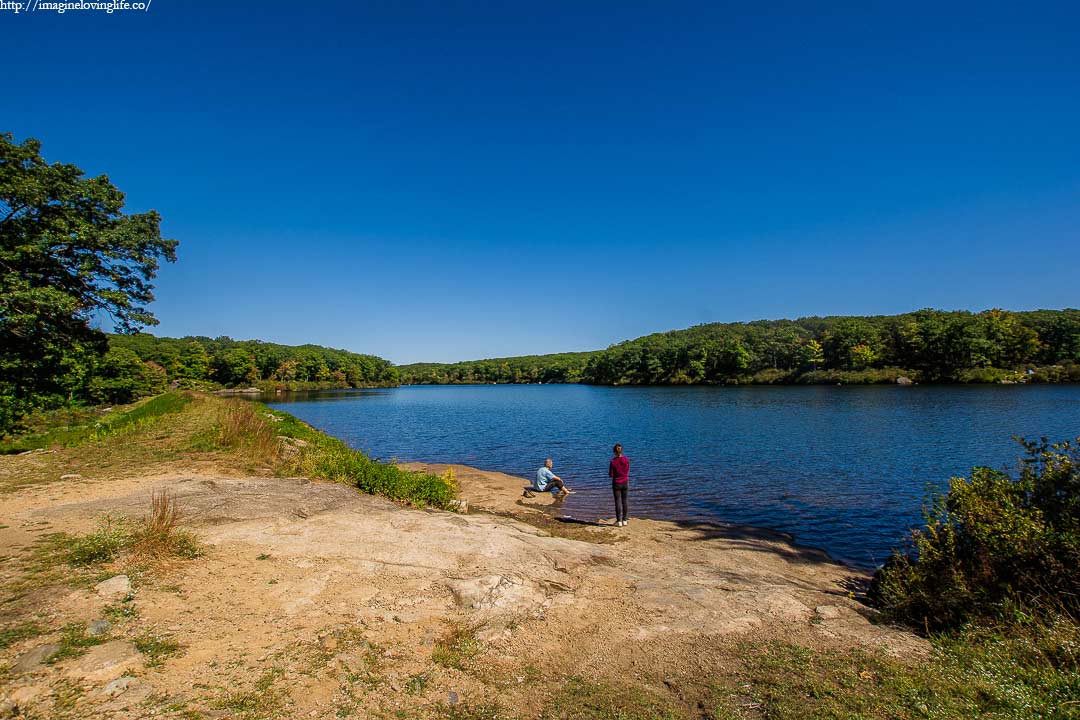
x=104 y=662
x=32 y=660
x=115 y=588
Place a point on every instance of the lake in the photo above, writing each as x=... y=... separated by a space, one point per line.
x=844 y=469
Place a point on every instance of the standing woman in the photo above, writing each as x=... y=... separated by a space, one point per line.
x=619 y=472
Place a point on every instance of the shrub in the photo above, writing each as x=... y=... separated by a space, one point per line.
x=993 y=544
x=330 y=458
x=989 y=375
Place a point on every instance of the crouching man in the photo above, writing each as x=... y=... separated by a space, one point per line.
x=547 y=481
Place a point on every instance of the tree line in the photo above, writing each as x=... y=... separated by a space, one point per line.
x=923 y=346
x=235 y=363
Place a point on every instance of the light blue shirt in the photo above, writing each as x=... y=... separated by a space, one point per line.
x=543 y=477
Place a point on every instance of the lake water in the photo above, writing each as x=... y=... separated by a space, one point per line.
x=840 y=468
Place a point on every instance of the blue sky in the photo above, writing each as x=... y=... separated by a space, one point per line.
x=453 y=180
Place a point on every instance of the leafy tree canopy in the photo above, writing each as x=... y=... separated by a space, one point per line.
x=68 y=254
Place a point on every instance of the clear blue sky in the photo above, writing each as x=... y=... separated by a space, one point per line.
x=450 y=180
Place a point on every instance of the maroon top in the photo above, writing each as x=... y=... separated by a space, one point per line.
x=619 y=469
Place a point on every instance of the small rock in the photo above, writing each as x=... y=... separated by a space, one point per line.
x=71 y=476
x=31 y=660
x=328 y=643
x=119 y=685
x=97 y=628
x=115 y=588
x=460 y=506
x=452 y=698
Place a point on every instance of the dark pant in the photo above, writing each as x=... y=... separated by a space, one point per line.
x=619 y=490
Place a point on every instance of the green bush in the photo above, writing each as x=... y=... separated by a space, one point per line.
x=330 y=458
x=867 y=376
x=989 y=375
x=122 y=377
x=993 y=545
x=1067 y=372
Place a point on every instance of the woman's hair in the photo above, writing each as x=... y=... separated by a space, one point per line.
x=617 y=449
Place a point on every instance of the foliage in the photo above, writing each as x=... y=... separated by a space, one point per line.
x=932 y=345
x=992 y=545
x=263 y=433
x=68 y=255
x=244 y=363
x=555 y=368
x=101 y=546
x=121 y=377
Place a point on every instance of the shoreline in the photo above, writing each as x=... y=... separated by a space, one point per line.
x=499 y=493
x=306 y=584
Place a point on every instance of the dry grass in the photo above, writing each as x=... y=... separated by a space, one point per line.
x=158 y=537
x=243 y=427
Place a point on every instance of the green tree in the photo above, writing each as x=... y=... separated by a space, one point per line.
x=236 y=367
x=122 y=377
x=809 y=354
x=194 y=362
x=68 y=255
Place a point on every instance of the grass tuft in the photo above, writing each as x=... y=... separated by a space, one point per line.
x=262 y=701
x=159 y=537
x=156 y=648
x=74 y=642
x=456 y=648
x=16 y=633
x=243 y=427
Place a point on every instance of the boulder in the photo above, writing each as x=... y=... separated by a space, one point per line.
x=904 y=381
x=97 y=628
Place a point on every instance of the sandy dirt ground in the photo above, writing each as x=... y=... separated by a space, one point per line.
x=313 y=600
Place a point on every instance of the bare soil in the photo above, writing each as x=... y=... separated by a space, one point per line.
x=313 y=600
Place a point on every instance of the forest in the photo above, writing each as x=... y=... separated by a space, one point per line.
x=222 y=361
x=923 y=346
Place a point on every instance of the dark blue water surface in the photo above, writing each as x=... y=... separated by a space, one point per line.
x=840 y=468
